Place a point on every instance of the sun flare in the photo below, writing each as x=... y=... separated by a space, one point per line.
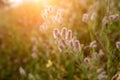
x=21 y=1
x=15 y=1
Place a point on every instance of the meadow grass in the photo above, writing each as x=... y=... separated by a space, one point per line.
x=60 y=42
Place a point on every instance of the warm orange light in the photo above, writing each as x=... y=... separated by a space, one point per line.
x=15 y=1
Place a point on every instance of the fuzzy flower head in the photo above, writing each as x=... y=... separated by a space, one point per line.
x=87 y=60
x=77 y=46
x=114 y=17
x=34 y=55
x=105 y=21
x=96 y=55
x=64 y=32
x=118 y=44
x=56 y=33
x=69 y=35
x=22 y=71
x=101 y=74
x=93 y=44
x=85 y=17
x=116 y=76
x=93 y=16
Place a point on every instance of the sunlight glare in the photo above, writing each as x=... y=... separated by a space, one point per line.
x=16 y=1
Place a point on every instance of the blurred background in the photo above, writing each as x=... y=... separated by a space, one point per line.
x=27 y=46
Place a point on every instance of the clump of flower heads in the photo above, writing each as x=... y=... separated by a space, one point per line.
x=65 y=39
x=51 y=14
x=111 y=17
x=86 y=17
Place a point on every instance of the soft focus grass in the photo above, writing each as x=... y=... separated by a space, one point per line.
x=20 y=34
